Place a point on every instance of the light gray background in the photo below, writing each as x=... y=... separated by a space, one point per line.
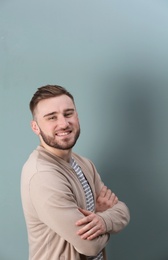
x=113 y=56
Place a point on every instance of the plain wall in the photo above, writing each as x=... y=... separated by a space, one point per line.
x=113 y=57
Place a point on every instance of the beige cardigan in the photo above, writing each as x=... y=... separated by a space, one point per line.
x=51 y=194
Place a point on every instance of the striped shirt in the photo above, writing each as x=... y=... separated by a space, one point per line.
x=88 y=195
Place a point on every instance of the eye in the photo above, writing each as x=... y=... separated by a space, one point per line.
x=68 y=114
x=52 y=118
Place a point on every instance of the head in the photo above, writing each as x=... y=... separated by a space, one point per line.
x=46 y=92
x=55 y=119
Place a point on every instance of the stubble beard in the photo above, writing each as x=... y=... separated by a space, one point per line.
x=61 y=145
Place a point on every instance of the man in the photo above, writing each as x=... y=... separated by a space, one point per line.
x=69 y=212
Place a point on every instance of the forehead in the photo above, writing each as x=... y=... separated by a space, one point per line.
x=54 y=104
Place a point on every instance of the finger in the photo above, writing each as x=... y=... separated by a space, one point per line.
x=103 y=191
x=86 y=230
x=96 y=234
x=85 y=212
x=116 y=200
x=108 y=194
x=93 y=229
x=82 y=221
x=90 y=228
x=113 y=196
x=90 y=234
x=85 y=220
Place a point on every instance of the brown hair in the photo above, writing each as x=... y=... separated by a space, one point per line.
x=45 y=92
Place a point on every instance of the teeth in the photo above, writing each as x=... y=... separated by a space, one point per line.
x=62 y=134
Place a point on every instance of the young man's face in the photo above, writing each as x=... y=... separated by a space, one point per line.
x=57 y=122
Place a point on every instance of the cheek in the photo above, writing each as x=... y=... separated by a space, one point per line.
x=50 y=129
x=76 y=122
x=47 y=128
x=74 y=119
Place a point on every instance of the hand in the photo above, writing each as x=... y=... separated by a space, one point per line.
x=106 y=199
x=94 y=225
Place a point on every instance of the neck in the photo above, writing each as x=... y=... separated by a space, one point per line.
x=63 y=154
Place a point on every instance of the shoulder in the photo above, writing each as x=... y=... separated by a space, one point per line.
x=41 y=163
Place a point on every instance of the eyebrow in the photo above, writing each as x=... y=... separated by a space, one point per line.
x=54 y=113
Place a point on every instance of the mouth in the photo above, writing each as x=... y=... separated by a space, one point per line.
x=65 y=133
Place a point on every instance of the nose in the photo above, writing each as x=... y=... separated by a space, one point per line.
x=62 y=122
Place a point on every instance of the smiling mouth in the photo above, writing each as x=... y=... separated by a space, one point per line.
x=63 y=133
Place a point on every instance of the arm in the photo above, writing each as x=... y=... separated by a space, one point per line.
x=56 y=206
x=105 y=203
x=114 y=213
x=96 y=224
x=115 y=217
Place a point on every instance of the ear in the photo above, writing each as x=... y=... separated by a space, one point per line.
x=34 y=127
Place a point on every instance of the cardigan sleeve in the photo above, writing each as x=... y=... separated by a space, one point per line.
x=115 y=218
x=56 y=206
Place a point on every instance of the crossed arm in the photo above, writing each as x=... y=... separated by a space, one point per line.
x=91 y=232
x=94 y=225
